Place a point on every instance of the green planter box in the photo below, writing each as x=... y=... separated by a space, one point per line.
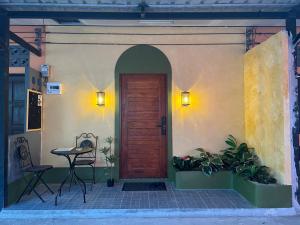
x=197 y=180
x=259 y=195
x=264 y=195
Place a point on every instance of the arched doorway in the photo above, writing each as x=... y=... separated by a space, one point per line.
x=143 y=113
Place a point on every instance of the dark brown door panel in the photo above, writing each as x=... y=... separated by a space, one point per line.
x=143 y=137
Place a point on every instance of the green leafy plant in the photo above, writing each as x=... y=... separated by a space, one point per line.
x=185 y=163
x=110 y=158
x=236 y=156
x=208 y=162
x=257 y=173
x=242 y=160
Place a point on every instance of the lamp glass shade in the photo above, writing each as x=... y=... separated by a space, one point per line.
x=101 y=98
x=185 y=98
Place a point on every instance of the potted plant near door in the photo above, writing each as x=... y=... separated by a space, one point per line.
x=110 y=160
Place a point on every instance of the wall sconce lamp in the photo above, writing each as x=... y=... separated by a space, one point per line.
x=185 y=98
x=100 y=98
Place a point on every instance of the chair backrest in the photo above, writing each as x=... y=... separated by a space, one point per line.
x=87 y=140
x=23 y=153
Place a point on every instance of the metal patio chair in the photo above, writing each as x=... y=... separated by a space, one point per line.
x=87 y=140
x=27 y=167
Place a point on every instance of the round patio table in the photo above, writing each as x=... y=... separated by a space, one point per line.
x=71 y=173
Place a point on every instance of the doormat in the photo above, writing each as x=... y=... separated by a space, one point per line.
x=144 y=186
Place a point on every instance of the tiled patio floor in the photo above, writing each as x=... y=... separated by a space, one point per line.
x=102 y=197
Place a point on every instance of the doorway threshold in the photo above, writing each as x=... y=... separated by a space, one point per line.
x=133 y=180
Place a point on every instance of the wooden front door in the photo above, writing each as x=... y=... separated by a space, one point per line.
x=143 y=126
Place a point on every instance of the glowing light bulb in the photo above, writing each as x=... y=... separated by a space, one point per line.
x=101 y=98
x=185 y=98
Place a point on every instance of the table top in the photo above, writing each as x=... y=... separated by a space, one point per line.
x=71 y=151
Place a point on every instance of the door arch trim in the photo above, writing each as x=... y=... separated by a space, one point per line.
x=144 y=59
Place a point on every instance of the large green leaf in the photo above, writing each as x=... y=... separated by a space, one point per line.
x=217 y=161
x=203 y=155
x=207 y=170
x=229 y=154
x=230 y=143
x=200 y=149
x=205 y=162
x=105 y=150
x=232 y=138
x=109 y=140
x=111 y=159
x=253 y=170
x=240 y=169
x=184 y=164
x=242 y=147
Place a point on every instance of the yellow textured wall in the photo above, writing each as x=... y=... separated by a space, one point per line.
x=213 y=75
x=267 y=104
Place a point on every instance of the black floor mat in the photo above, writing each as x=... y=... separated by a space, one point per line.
x=144 y=186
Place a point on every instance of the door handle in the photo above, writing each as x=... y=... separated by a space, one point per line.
x=163 y=125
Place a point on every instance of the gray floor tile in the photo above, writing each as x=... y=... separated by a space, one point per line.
x=114 y=198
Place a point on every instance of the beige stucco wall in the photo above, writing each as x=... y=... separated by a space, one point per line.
x=213 y=75
x=267 y=104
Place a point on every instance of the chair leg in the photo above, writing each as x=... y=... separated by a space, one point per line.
x=49 y=189
x=31 y=188
x=27 y=181
x=38 y=178
x=93 y=179
x=94 y=174
x=40 y=197
x=37 y=175
x=26 y=188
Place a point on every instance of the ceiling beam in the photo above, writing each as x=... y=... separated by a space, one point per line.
x=25 y=44
x=296 y=7
x=148 y=15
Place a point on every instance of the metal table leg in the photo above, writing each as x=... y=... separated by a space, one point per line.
x=81 y=182
x=71 y=168
x=73 y=175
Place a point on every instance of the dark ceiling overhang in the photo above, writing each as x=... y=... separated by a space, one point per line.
x=148 y=15
x=151 y=9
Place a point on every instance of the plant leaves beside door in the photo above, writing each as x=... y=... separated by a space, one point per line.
x=238 y=158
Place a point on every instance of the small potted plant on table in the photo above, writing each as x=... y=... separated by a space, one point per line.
x=110 y=160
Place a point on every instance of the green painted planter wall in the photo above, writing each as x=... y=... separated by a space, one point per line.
x=196 y=180
x=245 y=188
x=264 y=195
x=259 y=195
